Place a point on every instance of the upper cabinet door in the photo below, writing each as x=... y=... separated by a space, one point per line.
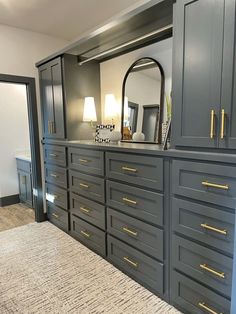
x=227 y=135
x=197 y=71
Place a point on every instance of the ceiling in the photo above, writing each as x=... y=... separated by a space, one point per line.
x=66 y=19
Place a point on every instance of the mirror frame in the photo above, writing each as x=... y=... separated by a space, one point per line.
x=159 y=128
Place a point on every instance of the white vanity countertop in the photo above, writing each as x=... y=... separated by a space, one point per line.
x=24 y=156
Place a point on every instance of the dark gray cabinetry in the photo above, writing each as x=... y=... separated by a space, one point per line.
x=203 y=40
x=25 y=182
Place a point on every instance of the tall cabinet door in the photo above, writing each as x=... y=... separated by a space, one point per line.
x=197 y=71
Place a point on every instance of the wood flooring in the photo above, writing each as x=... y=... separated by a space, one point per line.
x=15 y=215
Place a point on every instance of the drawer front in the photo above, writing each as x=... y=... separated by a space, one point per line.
x=58 y=216
x=204 y=223
x=85 y=185
x=142 y=204
x=205 y=265
x=55 y=155
x=141 y=267
x=89 y=235
x=195 y=299
x=140 y=170
x=207 y=182
x=56 y=175
x=88 y=210
x=56 y=196
x=23 y=165
x=85 y=160
x=139 y=234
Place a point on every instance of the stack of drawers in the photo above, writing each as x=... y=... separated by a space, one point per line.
x=204 y=199
x=135 y=217
x=87 y=198
x=56 y=185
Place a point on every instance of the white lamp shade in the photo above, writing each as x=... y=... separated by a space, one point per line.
x=110 y=106
x=89 y=109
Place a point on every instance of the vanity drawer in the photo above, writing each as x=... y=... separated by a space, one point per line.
x=205 y=265
x=88 y=210
x=89 y=186
x=204 y=223
x=56 y=195
x=85 y=160
x=58 y=216
x=89 y=235
x=138 y=265
x=193 y=298
x=56 y=175
x=141 y=235
x=142 y=204
x=23 y=165
x=55 y=155
x=140 y=170
x=207 y=182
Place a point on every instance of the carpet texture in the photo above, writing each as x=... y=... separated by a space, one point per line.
x=44 y=270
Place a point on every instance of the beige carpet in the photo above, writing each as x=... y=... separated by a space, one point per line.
x=43 y=270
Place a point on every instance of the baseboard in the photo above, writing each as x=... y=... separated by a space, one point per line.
x=9 y=200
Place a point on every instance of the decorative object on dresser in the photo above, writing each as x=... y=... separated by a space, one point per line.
x=138 y=137
x=103 y=133
x=115 y=136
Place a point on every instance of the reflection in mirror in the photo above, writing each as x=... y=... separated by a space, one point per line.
x=143 y=97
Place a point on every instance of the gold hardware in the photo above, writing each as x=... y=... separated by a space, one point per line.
x=84 y=185
x=213 y=185
x=86 y=234
x=206 y=226
x=205 y=307
x=83 y=160
x=134 y=233
x=129 y=169
x=55 y=215
x=49 y=127
x=53 y=127
x=53 y=175
x=53 y=155
x=222 y=131
x=126 y=259
x=84 y=209
x=210 y=270
x=212 y=130
x=125 y=199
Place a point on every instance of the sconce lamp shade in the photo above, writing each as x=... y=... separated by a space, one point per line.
x=89 y=109
x=110 y=106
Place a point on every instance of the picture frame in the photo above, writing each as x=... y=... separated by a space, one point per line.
x=103 y=132
x=167 y=135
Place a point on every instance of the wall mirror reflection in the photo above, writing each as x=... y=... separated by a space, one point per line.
x=142 y=101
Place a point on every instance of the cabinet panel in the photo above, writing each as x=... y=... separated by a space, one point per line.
x=25 y=187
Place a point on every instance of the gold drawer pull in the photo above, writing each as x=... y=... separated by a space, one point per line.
x=210 y=270
x=83 y=160
x=205 y=307
x=55 y=215
x=222 y=131
x=126 y=259
x=53 y=155
x=213 y=185
x=86 y=234
x=206 y=226
x=84 y=185
x=125 y=199
x=127 y=230
x=83 y=209
x=212 y=130
x=54 y=175
x=129 y=169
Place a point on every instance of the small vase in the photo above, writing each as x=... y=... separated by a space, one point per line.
x=138 y=137
x=115 y=136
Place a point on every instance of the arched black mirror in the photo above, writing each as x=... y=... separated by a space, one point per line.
x=143 y=101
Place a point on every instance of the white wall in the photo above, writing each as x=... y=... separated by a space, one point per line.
x=113 y=71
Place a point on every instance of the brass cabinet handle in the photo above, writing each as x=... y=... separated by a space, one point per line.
x=85 y=210
x=127 y=230
x=206 y=226
x=212 y=129
x=125 y=199
x=207 y=308
x=83 y=185
x=53 y=175
x=214 y=185
x=55 y=215
x=53 y=155
x=129 y=261
x=212 y=271
x=129 y=169
x=222 y=131
x=53 y=127
x=86 y=234
x=83 y=160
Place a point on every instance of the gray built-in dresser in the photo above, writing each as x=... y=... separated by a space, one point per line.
x=165 y=218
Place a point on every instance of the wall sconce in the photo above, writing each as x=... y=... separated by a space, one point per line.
x=110 y=107
x=89 y=110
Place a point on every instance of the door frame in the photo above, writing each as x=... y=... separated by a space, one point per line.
x=34 y=140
